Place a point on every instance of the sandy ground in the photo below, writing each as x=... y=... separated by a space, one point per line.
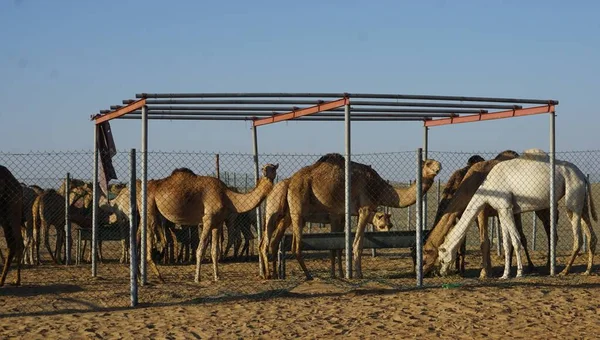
x=65 y=302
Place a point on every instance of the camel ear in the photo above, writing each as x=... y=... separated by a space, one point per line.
x=276 y=166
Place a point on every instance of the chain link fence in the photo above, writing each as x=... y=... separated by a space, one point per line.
x=56 y=269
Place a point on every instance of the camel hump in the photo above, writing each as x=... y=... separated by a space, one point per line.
x=334 y=158
x=506 y=155
x=183 y=170
x=535 y=154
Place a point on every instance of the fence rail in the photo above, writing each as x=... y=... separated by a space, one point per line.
x=56 y=224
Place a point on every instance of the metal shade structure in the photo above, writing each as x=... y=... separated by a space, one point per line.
x=268 y=108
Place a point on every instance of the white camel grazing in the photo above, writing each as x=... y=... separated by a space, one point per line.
x=522 y=185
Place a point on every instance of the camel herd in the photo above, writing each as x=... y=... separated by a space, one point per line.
x=506 y=186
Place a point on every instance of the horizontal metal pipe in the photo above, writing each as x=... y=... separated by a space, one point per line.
x=250 y=118
x=350 y=95
x=274 y=108
x=270 y=114
x=420 y=104
x=313 y=102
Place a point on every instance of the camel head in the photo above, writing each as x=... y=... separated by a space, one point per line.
x=447 y=258
x=431 y=168
x=270 y=171
x=506 y=155
x=429 y=258
x=382 y=221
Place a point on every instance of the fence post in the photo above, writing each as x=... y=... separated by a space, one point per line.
x=408 y=212
x=68 y=239
x=94 y=249
x=348 y=178
x=257 y=178
x=419 y=216
x=425 y=155
x=133 y=260
x=144 y=199
x=552 y=197
x=217 y=166
x=584 y=248
x=533 y=244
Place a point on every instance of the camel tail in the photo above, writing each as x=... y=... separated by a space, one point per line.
x=591 y=201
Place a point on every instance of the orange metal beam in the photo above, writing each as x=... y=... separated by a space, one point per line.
x=492 y=115
x=120 y=112
x=302 y=112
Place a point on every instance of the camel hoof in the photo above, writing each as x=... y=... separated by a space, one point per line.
x=587 y=273
x=309 y=278
x=563 y=273
x=504 y=277
x=519 y=274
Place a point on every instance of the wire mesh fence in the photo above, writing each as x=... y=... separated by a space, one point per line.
x=301 y=198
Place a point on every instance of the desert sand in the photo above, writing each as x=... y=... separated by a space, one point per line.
x=67 y=303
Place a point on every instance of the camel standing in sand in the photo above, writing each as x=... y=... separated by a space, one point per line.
x=30 y=192
x=188 y=199
x=449 y=190
x=472 y=180
x=320 y=187
x=11 y=213
x=521 y=185
x=278 y=219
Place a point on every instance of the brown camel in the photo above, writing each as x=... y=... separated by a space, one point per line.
x=49 y=210
x=277 y=220
x=447 y=194
x=453 y=211
x=11 y=216
x=30 y=192
x=189 y=199
x=320 y=187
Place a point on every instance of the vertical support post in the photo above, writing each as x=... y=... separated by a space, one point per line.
x=217 y=167
x=68 y=237
x=425 y=155
x=259 y=228
x=439 y=192
x=95 y=207
x=133 y=260
x=408 y=210
x=552 y=196
x=144 y=199
x=348 y=179
x=419 y=216
x=534 y=236
x=496 y=226
x=584 y=247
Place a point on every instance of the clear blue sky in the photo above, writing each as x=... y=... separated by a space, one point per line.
x=62 y=60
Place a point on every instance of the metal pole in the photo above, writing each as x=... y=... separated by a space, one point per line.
x=408 y=212
x=217 y=166
x=419 y=216
x=533 y=244
x=95 y=206
x=67 y=221
x=584 y=248
x=425 y=155
x=256 y=179
x=439 y=193
x=144 y=195
x=552 y=196
x=133 y=260
x=348 y=178
x=496 y=226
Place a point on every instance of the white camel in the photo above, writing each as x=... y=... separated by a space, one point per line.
x=521 y=185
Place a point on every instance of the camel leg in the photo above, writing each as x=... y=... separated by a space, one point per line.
x=486 y=263
x=519 y=226
x=297 y=224
x=204 y=231
x=337 y=225
x=544 y=216
x=511 y=239
x=591 y=242
x=215 y=253
x=274 y=244
x=357 y=246
x=12 y=234
x=576 y=224
x=46 y=236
